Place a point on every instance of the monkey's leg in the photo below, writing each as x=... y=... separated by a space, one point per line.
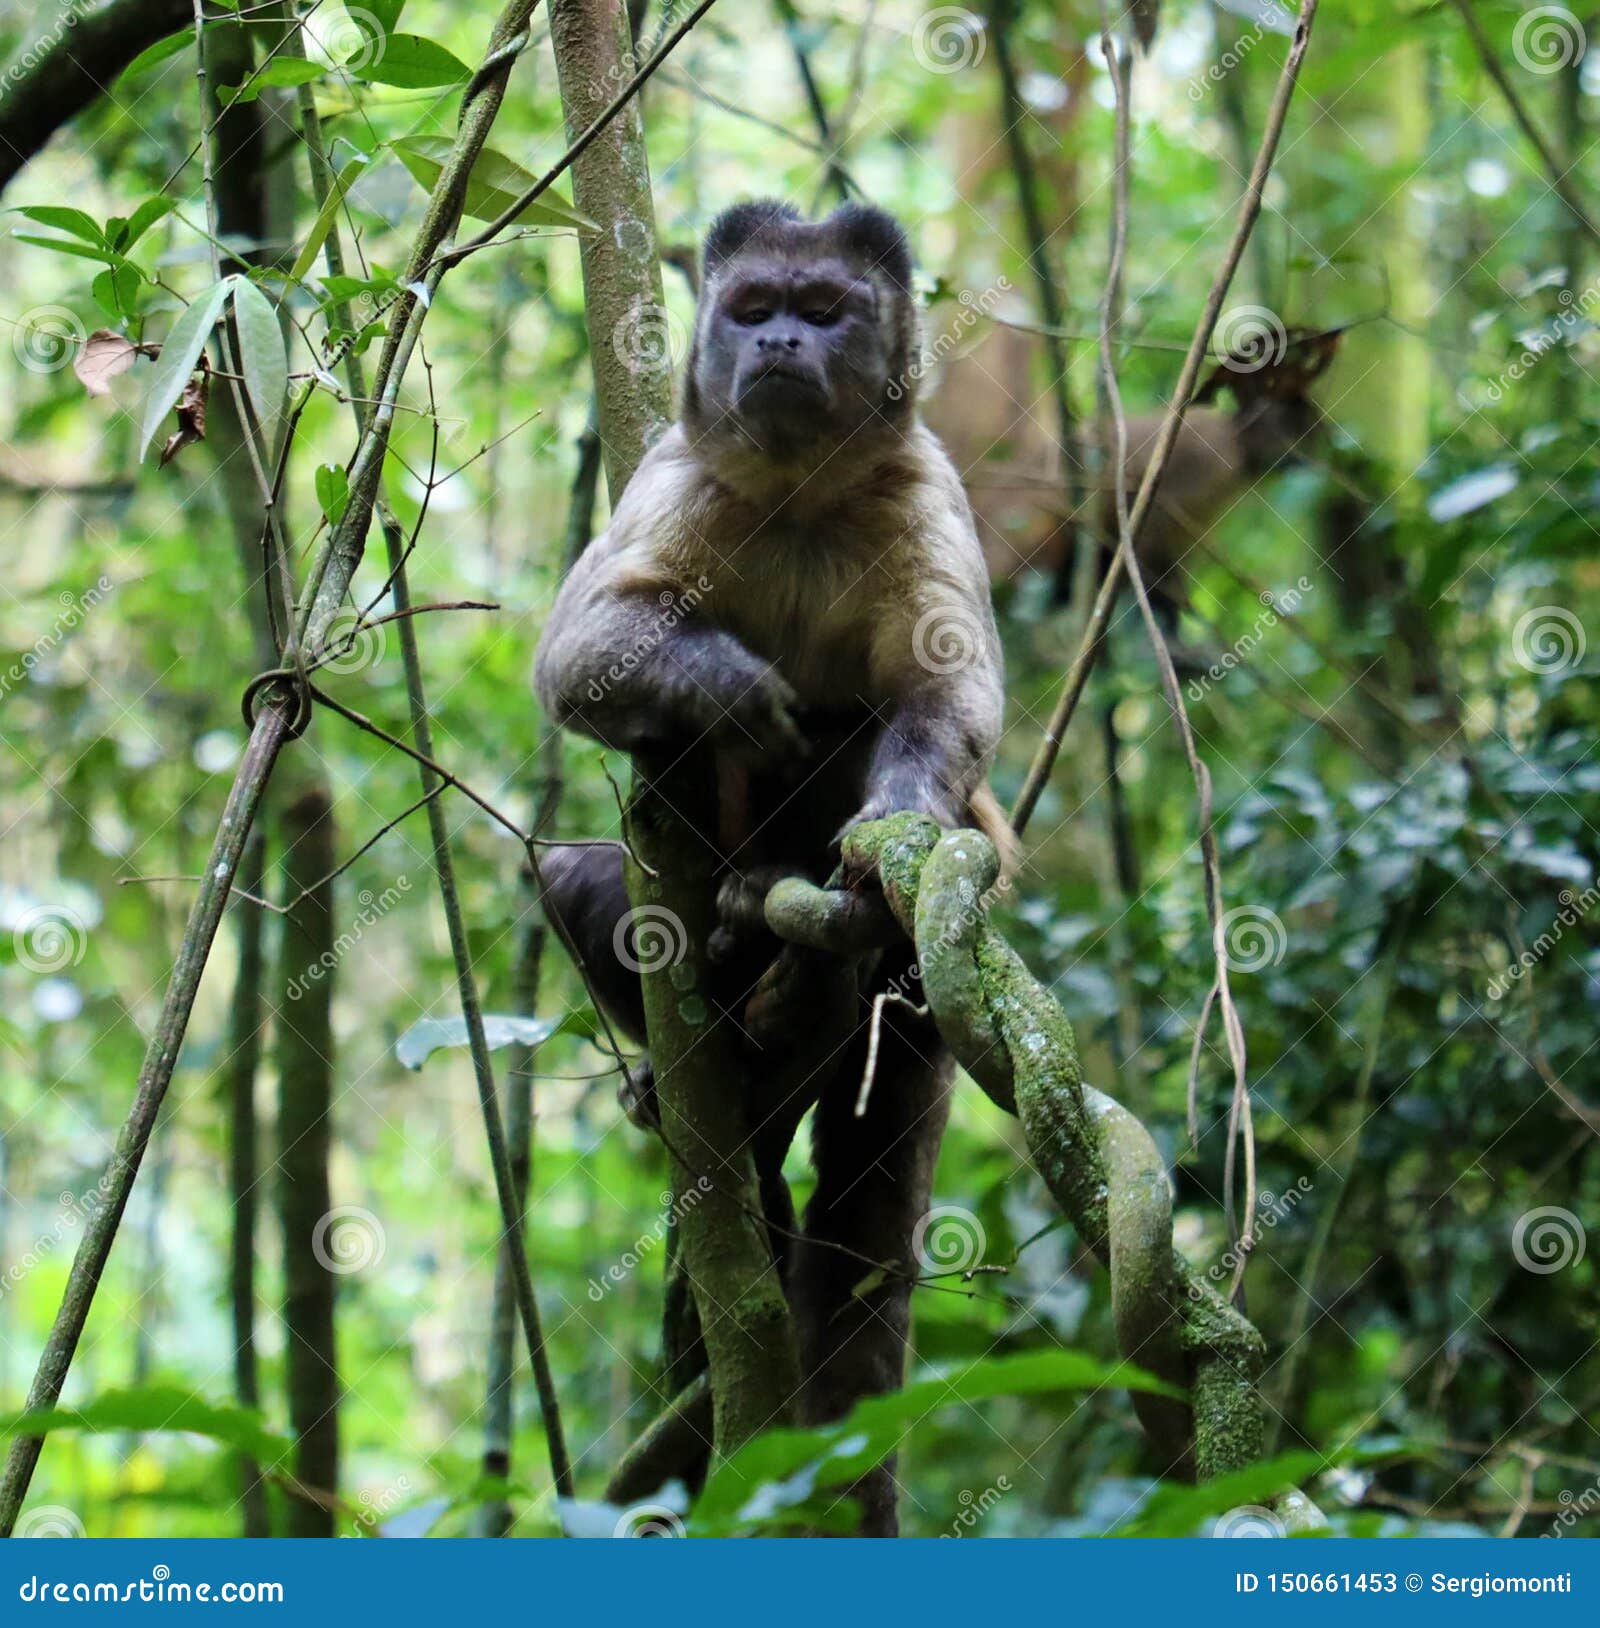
x=874 y=1181
x=583 y=893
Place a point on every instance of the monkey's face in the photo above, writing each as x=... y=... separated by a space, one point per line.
x=794 y=354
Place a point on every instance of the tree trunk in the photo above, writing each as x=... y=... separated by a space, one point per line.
x=304 y=1034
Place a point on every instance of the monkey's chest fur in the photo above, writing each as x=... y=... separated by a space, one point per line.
x=808 y=596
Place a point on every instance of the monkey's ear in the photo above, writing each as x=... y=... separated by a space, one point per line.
x=733 y=229
x=875 y=237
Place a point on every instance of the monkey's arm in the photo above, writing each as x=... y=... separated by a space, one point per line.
x=940 y=669
x=629 y=655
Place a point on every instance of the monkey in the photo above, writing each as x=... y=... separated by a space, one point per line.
x=793 y=580
x=1221 y=452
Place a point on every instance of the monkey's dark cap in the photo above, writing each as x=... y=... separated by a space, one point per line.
x=861 y=233
x=735 y=229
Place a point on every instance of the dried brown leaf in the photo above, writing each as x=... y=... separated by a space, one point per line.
x=103 y=356
x=191 y=411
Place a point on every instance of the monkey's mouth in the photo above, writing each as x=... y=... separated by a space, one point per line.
x=781 y=383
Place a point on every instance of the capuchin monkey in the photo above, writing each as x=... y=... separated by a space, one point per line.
x=793 y=579
x=1221 y=453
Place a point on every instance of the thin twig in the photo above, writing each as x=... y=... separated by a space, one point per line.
x=508 y=215
x=1119 y=62
x=1560 y=181
x=1249 y=209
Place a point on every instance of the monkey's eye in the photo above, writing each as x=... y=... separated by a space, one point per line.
x=821 y=317
x=754 y=317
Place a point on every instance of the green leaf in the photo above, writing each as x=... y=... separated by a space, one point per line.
x=422 y=1039
x=116 y=291
x=326 y=216
x=66 y=220
x=81 y=251
x=769 y=1477
x=493 y=187
x=411 y=62
x=333 y=491
x=179 y=356
x=280 y=72
x=159 y=1408
x=160 y=51
x=262 y=356
x=144 y=217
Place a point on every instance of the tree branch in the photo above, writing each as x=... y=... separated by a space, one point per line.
x=72 y=67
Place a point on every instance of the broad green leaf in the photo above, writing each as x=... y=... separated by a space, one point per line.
x=422 y=1039
x=493 y=187
x=64 y=219
x=178 y=358
x=410 y=62
x=262 y=356
x=144 y=217
x=326 y=216
x=80 y=251
x=159 y=1408
x=1177 y=1510
x=787 y=1466
x=280 y=72
x=385 y=13
x=160 y=51
x=333 y=491
x=116 y=291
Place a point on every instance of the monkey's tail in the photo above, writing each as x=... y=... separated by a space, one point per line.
x=990 y=819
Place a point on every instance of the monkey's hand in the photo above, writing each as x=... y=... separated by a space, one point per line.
x=741 y=897
x=749 y=711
